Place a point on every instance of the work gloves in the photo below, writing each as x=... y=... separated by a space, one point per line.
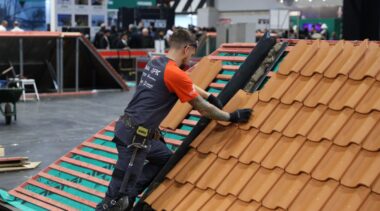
x=240 y=115
x=215 y=101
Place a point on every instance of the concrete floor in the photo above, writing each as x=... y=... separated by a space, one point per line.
x=48 y=129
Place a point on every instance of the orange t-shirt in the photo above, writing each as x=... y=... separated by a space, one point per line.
x=177 y=81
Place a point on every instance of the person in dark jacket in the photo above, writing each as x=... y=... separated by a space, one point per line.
x=146 y=40
x=135 y=38
x=99 y=35
x=105 y=41
x=122 y=42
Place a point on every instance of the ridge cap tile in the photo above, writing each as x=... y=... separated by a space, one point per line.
x=335 y=162
x=347 y=198
x=314 y=195
x=364 y=169
x=285 y=191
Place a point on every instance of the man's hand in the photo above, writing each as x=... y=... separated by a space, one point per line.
x=240 y=115
x=215 y=101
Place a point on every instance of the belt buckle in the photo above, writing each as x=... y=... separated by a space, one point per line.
x=142 y=131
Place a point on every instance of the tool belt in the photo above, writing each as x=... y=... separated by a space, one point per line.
x=141 y=131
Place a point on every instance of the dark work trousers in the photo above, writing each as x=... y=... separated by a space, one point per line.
x=157 y=154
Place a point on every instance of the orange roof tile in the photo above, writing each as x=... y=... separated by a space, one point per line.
x=312 y=142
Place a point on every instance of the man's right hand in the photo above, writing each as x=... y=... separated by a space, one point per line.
x=240 y=115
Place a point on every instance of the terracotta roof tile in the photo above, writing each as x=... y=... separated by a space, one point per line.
x=195 y=199
x=312 y=142
x=364 y=170
x=260 y=146
x=372 y=203
x=308 y=157
x=371 y=100
x=244 y=206
x=260 y=184
x=357 y=128
x=218 y=202
x=283 y=152
x=314 y=195
x=335 y=162
x=347 y=198
x=330 y=124
x=237 y=179
x=372 y=142
x=285 y=191
x=216 y=173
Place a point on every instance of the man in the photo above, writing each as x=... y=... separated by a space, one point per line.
x=3 y=26
x=122 y=42
x=136 y=136
x=99 y=35
x=16 y=27
x=146 y=40
x=104 y=42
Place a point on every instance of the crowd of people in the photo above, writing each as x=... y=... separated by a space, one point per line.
x=16 y=26
x=138 y=36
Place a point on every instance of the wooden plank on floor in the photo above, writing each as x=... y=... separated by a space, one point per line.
x=62 y=193
x=86 y=165
x=72 y=184
x=37 y=199
x=30 y=165
x=79 y=174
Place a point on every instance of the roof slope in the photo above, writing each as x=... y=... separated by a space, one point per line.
x=313 y=142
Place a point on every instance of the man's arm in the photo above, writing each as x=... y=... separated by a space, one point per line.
x=208 y=110
x=202 y=92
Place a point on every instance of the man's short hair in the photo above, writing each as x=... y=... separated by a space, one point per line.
x=182 y=37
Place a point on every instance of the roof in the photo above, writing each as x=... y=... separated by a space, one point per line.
x=312 y=143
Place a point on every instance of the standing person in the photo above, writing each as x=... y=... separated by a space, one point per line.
x=3 y=26
x=136 y=132
x=122 y=43
x=104 y=42
x=16 y=27
x=146 y=40
x=99 y=35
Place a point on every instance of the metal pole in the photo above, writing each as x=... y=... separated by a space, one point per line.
x=58 y=72
x=53 y=15
x=61 y=62
x=77 y=64
x=21 y=58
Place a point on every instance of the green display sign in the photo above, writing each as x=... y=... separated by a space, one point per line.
x=116 y=4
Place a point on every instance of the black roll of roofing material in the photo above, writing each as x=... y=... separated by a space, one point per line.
x=248 y=68
x=238 y=81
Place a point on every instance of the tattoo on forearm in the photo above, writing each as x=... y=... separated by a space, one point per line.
x=208 y=110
